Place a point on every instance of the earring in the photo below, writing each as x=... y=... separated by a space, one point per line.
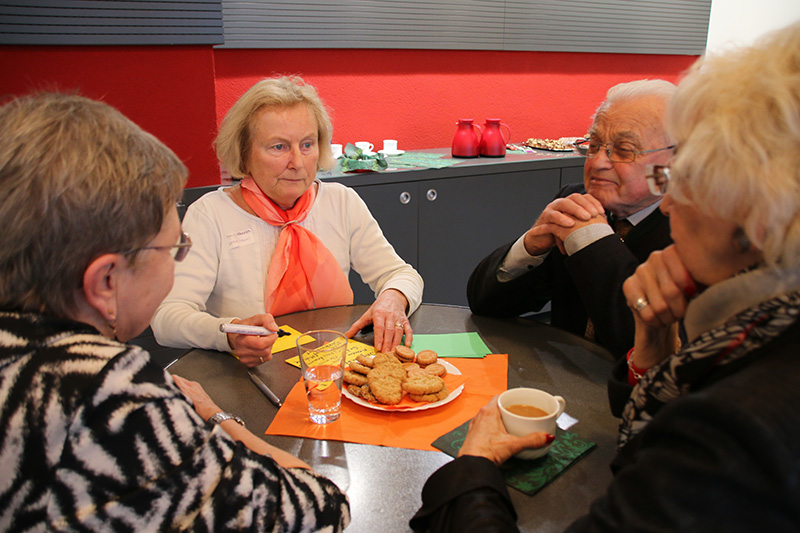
x=741 y=241
x=112 y=324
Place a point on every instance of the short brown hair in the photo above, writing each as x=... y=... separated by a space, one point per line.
x=236 y=131
x=77 y=180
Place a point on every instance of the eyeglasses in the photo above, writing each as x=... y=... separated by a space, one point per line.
x=181 y=249
x=657 y=179
x=622 y=152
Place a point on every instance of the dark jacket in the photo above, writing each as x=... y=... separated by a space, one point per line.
x=586 y=284
x=726 y=457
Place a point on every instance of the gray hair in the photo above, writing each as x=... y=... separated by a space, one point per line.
x=736 y=119
x=235 y=136
x=77 y=180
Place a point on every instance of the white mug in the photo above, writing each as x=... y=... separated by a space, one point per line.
x=389 y=145
x=336 y=150
x=365 y=146
x=520 y=425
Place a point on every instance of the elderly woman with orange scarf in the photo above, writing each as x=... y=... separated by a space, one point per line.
x=281 y=241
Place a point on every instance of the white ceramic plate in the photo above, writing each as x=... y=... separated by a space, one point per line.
x=392 y=152
x=450 y=397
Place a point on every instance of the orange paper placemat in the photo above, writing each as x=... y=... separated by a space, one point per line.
x=416 y=430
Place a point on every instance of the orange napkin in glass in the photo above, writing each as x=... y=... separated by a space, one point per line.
x=416 y=430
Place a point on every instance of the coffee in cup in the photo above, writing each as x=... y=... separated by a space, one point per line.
x=525 y=411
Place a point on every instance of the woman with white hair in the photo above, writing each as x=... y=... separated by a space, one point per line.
x=710 y=432
x=281 y=241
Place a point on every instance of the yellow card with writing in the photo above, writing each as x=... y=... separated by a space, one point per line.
x=354 y=349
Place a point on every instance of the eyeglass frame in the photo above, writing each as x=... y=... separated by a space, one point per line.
x=658 y=177
x=580 y=148
x=183 y=247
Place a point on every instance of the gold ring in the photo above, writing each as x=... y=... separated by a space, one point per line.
x=399 y=325
x=261 y=359
x=640 y=303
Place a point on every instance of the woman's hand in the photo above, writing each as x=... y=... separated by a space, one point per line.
x=487 y=437
x=202 y=402
x=388 y=318
x=658 y=293
x=252 y=350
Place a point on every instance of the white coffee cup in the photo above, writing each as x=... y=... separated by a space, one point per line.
x=336 y=150
x=366 y=147
x=389 y=145
x=520 y=425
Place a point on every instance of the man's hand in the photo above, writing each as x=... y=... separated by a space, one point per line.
x=560 y=218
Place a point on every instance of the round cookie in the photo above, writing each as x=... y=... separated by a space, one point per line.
x=404 y=353
x=426 y=357
x=355 y=366
x=430 y=398
x=382 y=358
x=394 y=371
x=354 y=378
x=366 y=361
x=386 y=389
x=423 y=384
x=436 y=369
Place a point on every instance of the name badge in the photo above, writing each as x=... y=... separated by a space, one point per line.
x=240 y=238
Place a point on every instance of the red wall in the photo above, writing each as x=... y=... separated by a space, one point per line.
x=415 y=96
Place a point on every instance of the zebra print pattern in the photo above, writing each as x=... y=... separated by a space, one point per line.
x=94 y=436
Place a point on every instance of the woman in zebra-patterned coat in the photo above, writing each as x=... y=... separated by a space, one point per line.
x=94 y=436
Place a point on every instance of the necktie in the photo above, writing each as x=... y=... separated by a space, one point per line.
x=622 y=227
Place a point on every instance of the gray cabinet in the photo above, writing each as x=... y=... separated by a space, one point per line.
x=443 y=222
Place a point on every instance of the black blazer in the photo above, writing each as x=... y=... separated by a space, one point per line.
x=586 y=284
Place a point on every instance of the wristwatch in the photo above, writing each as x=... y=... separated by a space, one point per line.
x=222 y=416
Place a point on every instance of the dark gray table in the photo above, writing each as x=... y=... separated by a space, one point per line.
x=384 y=483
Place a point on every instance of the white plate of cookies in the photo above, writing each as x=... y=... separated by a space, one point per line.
x=402 y=386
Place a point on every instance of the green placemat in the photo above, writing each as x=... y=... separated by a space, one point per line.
x=451 y=344
x=528 y=476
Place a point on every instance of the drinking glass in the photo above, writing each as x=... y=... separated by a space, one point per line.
x=322 y=360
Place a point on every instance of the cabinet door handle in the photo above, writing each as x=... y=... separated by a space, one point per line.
x=405 y=197
x=431 y=194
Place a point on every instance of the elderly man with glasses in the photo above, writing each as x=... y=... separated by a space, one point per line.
x=592 y=236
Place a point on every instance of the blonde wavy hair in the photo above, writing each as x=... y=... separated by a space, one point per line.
x=736 y=120
x=235 y=136
x=77 y=180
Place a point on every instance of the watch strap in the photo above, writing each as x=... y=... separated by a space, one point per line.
x=222 y=416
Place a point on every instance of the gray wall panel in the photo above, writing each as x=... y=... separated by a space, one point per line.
x=621 y=26
x=65 y=22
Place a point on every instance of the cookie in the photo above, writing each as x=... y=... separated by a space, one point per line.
x=355 y=366
x=423 y=384
x=408 y=367
x=430 y=398
x=386 y=389
x=404 y=353
x=394 y=371
x=366 y=393
x=366 y=361
x=382 y=358
x=354 y=378
x=426 y=357
x=436 y=369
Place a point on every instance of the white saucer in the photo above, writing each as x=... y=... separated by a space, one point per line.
x=367 y=153
x=391 y=152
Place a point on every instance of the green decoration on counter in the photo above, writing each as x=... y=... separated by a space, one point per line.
x=355 y=160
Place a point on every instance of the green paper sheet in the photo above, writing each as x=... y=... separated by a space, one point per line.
x=451 y=344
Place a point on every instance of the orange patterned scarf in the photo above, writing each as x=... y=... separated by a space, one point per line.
x=303 y=273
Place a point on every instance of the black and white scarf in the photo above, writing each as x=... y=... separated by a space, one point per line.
x=738 y=337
